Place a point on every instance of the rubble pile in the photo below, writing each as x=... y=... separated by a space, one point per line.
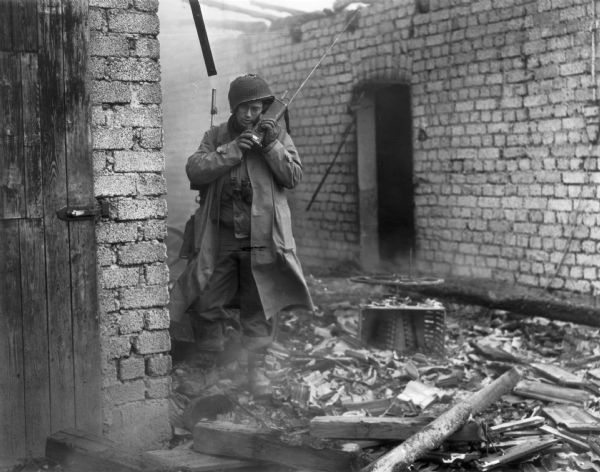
x=333 y=393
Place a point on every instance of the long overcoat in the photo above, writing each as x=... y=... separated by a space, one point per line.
x=275 y=266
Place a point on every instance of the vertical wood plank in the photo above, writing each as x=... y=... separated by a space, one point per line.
x=24 y=16
x=12 y=407
x=31 y=136
x=52 y=121
x=6 y=25
x=12 y=195
x=35 y=336
x=86 y=338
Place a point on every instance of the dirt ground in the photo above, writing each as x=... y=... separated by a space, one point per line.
x=310 y=351
x=311 y=354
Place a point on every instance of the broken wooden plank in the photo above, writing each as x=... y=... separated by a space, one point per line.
x=391 y=428
x=570 y=438
x=237 y=9
x=528 y=301
x=551 y=393
x=373 y=407
x=516 y=453
x=517 y=424
x=558 y=375
x=451 y=458
x=572 y=418
x=247 y=442
x=447 y=423
x=495 y=353
x=187 y=460
x=82 y=451
x=508 y=443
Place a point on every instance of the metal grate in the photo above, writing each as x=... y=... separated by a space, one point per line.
x=406 y=329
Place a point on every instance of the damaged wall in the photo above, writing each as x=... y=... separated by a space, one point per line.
x=128 y=171
x=505 y=175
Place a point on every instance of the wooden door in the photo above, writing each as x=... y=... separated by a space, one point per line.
x=49 y=337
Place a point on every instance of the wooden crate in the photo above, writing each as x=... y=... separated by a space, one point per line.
x=405 y=329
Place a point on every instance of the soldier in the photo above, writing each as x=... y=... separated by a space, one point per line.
x=244 y=251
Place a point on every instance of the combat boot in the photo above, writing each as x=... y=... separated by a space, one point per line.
x=258 y=383
x=209 y=335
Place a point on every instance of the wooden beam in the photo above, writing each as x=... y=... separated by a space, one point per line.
x=83 y=451
x=529 y=301
x=280 y=8
x=245 y=442
x=234 y=8
x=176 y=460
x=387 y=428
x=433 y=435
x=552 y=393
x=243 y=26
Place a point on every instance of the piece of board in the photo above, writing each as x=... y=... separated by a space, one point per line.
x=245 y=442
x=388 y=428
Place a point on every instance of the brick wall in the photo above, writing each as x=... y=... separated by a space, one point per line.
x=506 y=181
x=128 y=170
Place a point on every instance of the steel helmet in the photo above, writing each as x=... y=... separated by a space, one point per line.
x=247 y=88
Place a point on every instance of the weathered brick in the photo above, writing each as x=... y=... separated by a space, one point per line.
x=145 y=70
x=158 y=387
x=159 y=365
x=139 y=161
x=112 y=138
x=104 y=91
x=132 y=368
x=105 y=256
x=115 y=185
x=110 y=232
x=151 y=184
x=142 y=252
x=131 y=321
x=140 y=116
x=102 y=44
x=146 y=5
x=125 y=392
x=116 y=347
x=119 y=277
x=148 y=93
x=156 y=319
x=96 y=19
x=107 y=301
x=155 y=229
x=144 y=296
x=151 y=138
x=97 y=67
x=122 y=4
x=151 y=342
x=132 y=22
x=138 y=209
x=147 y=47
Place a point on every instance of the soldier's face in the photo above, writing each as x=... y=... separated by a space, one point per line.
x=248 y=113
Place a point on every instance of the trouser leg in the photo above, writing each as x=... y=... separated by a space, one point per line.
x=256 y=329
x=212 y=314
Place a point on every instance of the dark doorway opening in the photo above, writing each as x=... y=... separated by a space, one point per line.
x=394 y=156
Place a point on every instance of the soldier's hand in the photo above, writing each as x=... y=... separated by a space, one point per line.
x=244 y=140
x=271 y=131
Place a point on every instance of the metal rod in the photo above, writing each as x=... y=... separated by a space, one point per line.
x=213 y=106
x=337 y=153
x=593 y=58
x=324 y=56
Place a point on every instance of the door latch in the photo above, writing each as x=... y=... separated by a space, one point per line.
x=71 y=213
